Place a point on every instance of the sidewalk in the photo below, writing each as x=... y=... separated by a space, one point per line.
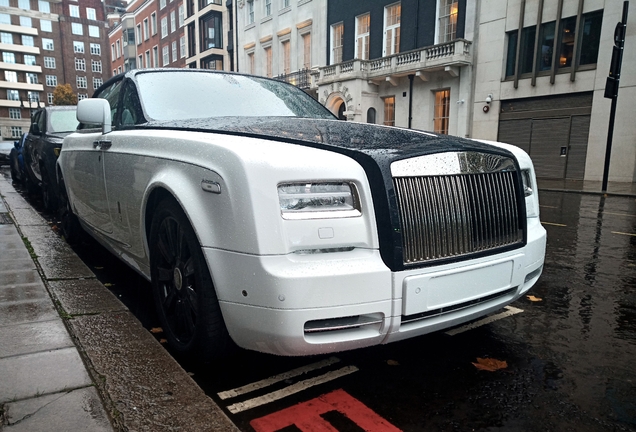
x=72 y=357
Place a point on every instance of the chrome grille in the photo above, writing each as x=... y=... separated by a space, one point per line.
x=446 y=216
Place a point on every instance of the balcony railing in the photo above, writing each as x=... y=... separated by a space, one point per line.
x=455 y=53
x=300 y=79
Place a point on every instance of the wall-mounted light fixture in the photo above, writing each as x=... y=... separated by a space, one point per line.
x=489 y=98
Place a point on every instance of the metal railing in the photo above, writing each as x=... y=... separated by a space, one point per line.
x=300 y=78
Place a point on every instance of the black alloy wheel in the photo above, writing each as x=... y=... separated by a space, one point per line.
x=182 y=287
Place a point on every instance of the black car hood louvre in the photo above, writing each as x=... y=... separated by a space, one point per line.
x=374 y=147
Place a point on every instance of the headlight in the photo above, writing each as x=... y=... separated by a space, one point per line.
x=532 y=199
x=527 y=182
x=313 y=200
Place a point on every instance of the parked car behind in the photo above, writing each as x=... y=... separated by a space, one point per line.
x=260 y=217
x=16 y=160
x=42 y=147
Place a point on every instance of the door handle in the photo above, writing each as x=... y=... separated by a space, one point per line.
x=102 y=144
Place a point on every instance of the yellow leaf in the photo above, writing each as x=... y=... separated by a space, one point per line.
x=99 y=268
x=109 y=284
x=534 y=299
x=163 y=341
x=156 y=330
x=489 y=364
x=392 y=363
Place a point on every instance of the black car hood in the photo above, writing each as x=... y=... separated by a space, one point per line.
x=374 y=147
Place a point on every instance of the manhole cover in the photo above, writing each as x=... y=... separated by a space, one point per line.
x=5 y=219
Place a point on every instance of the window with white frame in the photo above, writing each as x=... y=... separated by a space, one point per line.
x=81 y=96
x=24 y=4
x=97 y=83
x=146 y=32
x=26 y=22
x=441 y=111
x=80 y=64
x=15 y=113
x=118 y=48
x=46 y=25
x=173 y=22
x=174 y=51
x=6 y=38
x=268 y=7
x=166 y=55
x=49 y=98
x=147 y=59
x=362 y=36
x=91 y=14
x=112 y=51
x=77 y=29
x=250 y=63
x=78 y=47
x=306 y=50
x=392 y=17
x=49 y=62
x=337 y=39
x=8 y=57
x=51 y=80
x=5 y=19
x=93 y=31
x=162 y=4
x=153 y=23
x=16 y=131
x=10 y=76
x=96 y=49
x=155 y=56
x=182 y=47
x=119 y=69
x=268 y=61
x=286 y=56
x=28 y=40
x=80 y=81
x=250 y=11
x=286 y=3
x=181 y=15
x=33 y=96
x=44 y=6
x=164 y=27
x=73 y=10
x=28 y=59
x=447 y=20
x=13 y=95
x=31 y=78
x=96 y=66
x=140 y=61
x=139 y=34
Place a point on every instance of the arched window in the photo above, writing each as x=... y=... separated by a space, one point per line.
x=371 y=115
x=341 y=110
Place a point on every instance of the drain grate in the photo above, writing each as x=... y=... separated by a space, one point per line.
x=5 y=219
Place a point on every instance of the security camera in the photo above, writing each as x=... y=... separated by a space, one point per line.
x=488 y=98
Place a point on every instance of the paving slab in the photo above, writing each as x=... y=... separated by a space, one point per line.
x=149 y=390
x=59 y=412
x=27 y=216
x=33 y=337
x=44 y=241
x=18 y=261
x=87 y=296
x=24 y=276
x=41 y=373
x=64 y=266
x=23 y=292
x=27 y=311
x=13 y=199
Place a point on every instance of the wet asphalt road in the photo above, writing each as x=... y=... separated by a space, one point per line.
x=570 y=356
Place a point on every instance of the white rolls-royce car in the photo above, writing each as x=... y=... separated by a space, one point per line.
x=261 y=219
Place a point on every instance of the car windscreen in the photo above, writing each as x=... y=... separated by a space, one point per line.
x=62 y=121
x=188 y=95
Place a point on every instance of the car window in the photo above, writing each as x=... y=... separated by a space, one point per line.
x=62 y=121
x=131 y=113
x=35 y=119
x=173 y=95
x=111 y=94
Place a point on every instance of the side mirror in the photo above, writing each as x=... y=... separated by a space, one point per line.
x=96 y=112
x=35 y=129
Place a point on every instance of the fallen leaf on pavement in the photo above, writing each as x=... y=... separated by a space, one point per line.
x=109 y=284
x=156 y=330
x=99 y=268
x=392 y=363
x=163 y=341
x=534 y=299
x=489 y=364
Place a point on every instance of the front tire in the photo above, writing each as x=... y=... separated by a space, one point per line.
x=182 y=287
x=48 y=196
x=71 y=228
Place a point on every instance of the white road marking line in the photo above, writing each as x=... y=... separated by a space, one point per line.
x=277 y=378
x=617 y=214
x=509 y=312
x=622 y=233
x=292 y=389
x=553 y=224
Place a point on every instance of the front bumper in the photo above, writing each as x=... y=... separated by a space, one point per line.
x=313 y=304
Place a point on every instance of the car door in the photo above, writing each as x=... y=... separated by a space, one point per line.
x=32 y=146
x=85 y=173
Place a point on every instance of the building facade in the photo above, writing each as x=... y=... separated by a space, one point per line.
x=209 y=34
x=282 y=39
x=543 y=65
x=44 y=44
x=407 y=63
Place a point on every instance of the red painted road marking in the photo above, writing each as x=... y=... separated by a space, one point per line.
x=306 y=415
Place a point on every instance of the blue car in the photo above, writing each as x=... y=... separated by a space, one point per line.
x=16 y=160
